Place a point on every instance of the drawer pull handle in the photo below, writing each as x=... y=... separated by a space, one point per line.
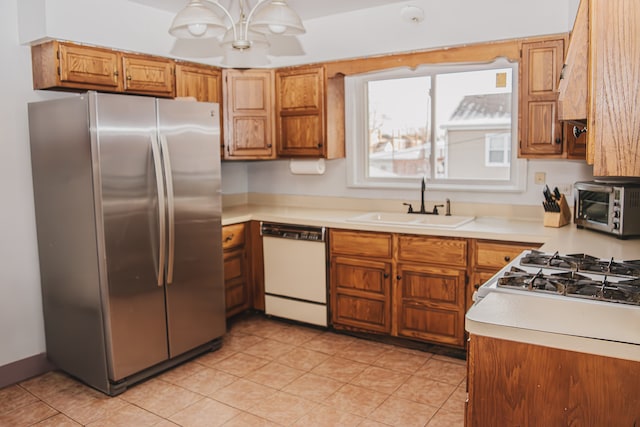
x=229 y=238
x=507 y=258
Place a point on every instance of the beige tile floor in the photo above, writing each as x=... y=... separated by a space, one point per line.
x=268 y=373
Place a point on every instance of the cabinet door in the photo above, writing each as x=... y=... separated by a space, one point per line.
x=235 y=281
x=430 y=303
x=300 y=106
x=236 y=269
x=573 y=85
x=478 y=278
x=540 y=67
x=360 y=294
x=613 y=127
x=202 y=83
x=148 y=75
x=85 y=65
x=248 y=114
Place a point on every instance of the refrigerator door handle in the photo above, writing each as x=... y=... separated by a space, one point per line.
x=161 y=209
x=170 y=205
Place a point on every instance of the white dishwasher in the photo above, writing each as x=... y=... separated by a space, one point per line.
x=295 y=272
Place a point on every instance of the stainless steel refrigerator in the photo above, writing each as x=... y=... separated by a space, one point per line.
x=128 y=213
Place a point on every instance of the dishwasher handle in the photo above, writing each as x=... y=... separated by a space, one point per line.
x=293 y=231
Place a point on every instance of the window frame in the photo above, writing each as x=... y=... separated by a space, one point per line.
x=356 y=132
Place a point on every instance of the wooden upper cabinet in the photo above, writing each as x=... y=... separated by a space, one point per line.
x=614 y=87
x=601 y=84
x=248 y=114
x=148 y=75
x=572 y=97
x=201 y=82
x=540 y=131
x=306 y=123
x=67 y=65
x=204 y=83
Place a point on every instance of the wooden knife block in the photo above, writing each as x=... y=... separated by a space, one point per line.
x=558 y=219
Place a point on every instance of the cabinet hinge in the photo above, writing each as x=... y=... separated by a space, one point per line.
x=59 y=72
x=58 y=54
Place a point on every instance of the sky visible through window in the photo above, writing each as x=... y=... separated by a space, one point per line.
x=400 y=116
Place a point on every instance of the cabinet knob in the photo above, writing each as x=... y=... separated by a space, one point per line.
x=507 y=258
x=269 y=145
x=385 y=275
x=115 y=73
x=558 y=140
x=320 y=145
x=477 y=286
x=398 y=277
x=128 y=77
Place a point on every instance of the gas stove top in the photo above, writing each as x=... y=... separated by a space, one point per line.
x=574 y=275
x=582 y=262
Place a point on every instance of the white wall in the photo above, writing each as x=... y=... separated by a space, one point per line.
x=21 y=327
x=275 y=177
x=114 y=23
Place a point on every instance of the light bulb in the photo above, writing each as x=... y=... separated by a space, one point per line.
x=277 y=29
x=197 y=29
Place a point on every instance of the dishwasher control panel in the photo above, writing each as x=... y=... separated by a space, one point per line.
x=292 y=231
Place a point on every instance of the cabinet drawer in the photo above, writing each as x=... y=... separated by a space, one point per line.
x=497 y=255
x=360 y=243
x=232 y=236
x=451 y=252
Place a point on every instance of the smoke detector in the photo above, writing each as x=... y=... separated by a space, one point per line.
x=412 y=14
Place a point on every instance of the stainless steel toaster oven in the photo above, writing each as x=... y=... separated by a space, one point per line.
x=609 y=207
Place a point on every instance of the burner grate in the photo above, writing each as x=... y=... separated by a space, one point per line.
x=572 y=284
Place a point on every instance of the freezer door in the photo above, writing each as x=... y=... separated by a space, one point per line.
x=189 y=135
x=124 y=131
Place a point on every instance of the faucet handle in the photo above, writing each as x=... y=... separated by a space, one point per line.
x=435 y=209
x=410 y=207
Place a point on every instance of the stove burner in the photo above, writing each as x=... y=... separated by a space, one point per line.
x=572 y=284
x=582 y=262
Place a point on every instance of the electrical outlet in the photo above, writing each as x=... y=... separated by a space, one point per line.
x=540 y=178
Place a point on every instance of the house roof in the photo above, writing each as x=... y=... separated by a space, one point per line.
x=494 y=108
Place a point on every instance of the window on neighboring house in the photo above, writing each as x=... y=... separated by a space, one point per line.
x=497 y=149
x=454 y=124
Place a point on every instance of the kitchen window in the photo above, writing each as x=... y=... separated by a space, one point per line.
x=455 y=124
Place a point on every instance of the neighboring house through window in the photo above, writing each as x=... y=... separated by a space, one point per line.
x=453 y=124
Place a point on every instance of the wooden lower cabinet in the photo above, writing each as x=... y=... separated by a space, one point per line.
x=360 y=293
x=519 y=384
x=236 y=269
x=430 y=303
x=402 y=285
x=488 y=257
x=360 y=280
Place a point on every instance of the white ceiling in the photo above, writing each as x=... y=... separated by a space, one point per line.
x=307 y=9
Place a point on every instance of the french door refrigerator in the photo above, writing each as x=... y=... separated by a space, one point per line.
x=128 y=214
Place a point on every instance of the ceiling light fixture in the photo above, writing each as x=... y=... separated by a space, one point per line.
x=244 y=38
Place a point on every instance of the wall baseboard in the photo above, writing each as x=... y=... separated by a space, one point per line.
x=23 y=369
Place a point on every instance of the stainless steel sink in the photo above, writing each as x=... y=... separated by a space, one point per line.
x=412 y=220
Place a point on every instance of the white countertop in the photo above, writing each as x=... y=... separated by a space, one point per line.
x=568 y=239
x=594 y=327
